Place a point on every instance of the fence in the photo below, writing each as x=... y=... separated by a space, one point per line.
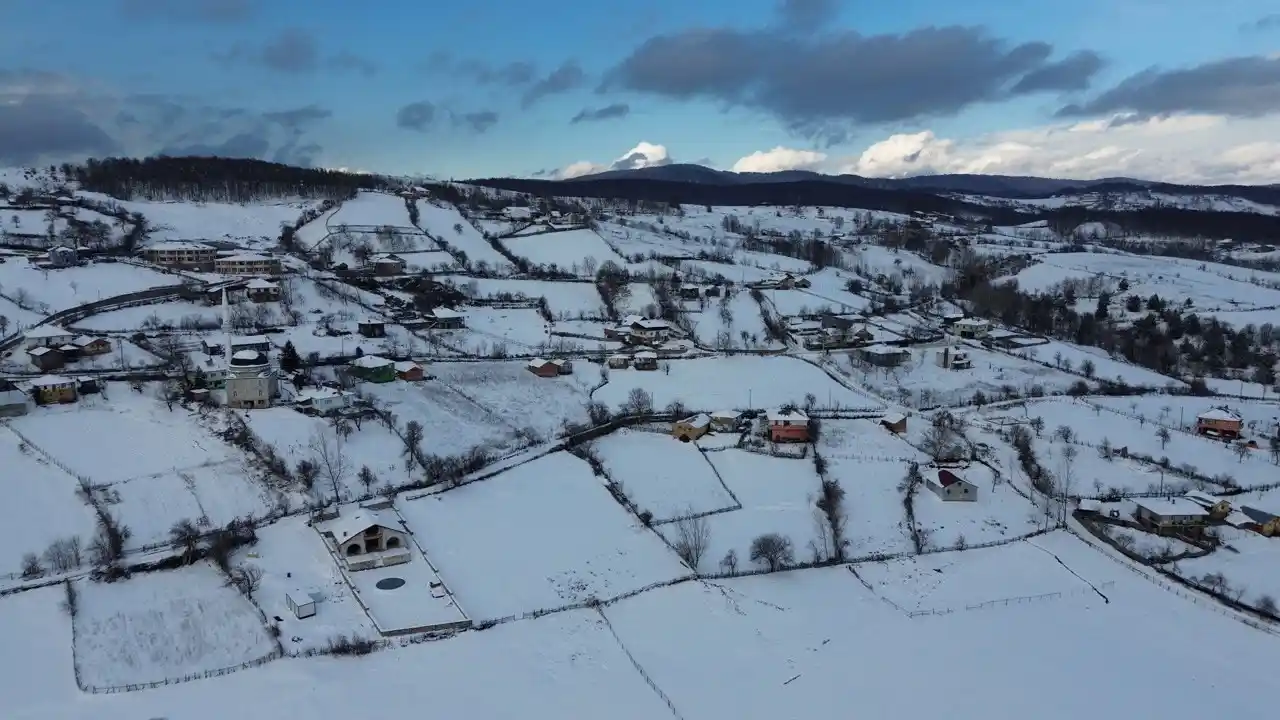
x=110 y=689
x=639 y=668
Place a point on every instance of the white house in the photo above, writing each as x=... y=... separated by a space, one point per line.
x=301 y=602
x=649 y=331
x=975 y=328
x=952 y=488
x=367 y=539
x=47 y=336
x=324 y=400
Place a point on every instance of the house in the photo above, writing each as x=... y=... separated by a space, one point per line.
x=63 y=256
x=372 y=368
x=236 y=291
x=563 y=366
x=618 y=362
x=367 y=539
x=257 y=343
x=648 y=332
x=543 y=367
x=836 y=322
x=409 y=371
x=726 y=420
x=325 y=400
x=1174 y=514
x=691 y=428
x=372 y=328
x=189 y=255
x=51 y=389
x=301 y=604
x=46 y=358
x=895 y=423
x=690 y=292
x=47 y=336
x=446 y=319
x=974 y=328
x=1220 y=422
x=92 y=345
x=261 y=291
x=512 y=212
x=788 y=425
x=389 y=265
x=953 y=359
x=646 y=360
x=13 y=402
x=70 y=352
x=1262 y=521
x=952 y=488
x=247 y=264
x=1218 y=508
x=884 y=355
x=205 y=371
x=87 y=386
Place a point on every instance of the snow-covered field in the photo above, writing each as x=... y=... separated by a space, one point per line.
x=372 y=208
x=576 y=251
x=564 y=299
x=743 y=319
x=39 y=677
x=40 y=503
x=1075 y=358
x=159 y=626
x=451 y=422
x=662 y=475
x=52 y=290
x=561 y=540
x=504 y=392
x=738 y=382
x=1260 y=418
x=1248 y=562
x=252 y=224
x=447 y=224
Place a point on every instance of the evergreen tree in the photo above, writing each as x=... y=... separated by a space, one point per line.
x=290 y=361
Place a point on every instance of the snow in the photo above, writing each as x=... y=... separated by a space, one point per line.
x=411 y=606
x=256 y=222
x=506 y=391
x=218 y=493
x=1246 y=558
x=40 y=505
x=711 y=329
x=562 y=539
x=1073 y=358
x=663 y=475
x=53 y=290
x=165 y=625
x=37 y=658
x=371 y=208
x=1260 y=418
x=440 y=222
x=569 y=250
x=567 y=299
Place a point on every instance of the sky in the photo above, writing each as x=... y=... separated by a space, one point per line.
x=1170 y=90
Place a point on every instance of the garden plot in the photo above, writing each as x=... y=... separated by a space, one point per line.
x=171 y=221
x=662 y=475
x=1260 y=418
x=500 y=331
x=829 y=286
x=164 y=625
x=48 y=291
x=638 y=300
x=1078 y=359
x=90 y=436
x=372 y=208
x=711 y=270
x=999 y=513
x=578 y=251
x=506 y=391
x=736 y=382
x=564 y=299
x=38 y=666
x=1247 y=561
x=448 y=225
x=209 y=496
x=294 y=560
x=542 y=535
x=920 y=382
x=452 y=423
x=726 y=330
x=41 y=504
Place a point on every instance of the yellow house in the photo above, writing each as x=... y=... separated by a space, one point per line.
x=1218 y=508
x=54 y=389
x=691 y=428
x=1266 y=522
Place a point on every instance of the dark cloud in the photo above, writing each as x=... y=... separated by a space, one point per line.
x=1070 y=74
x=818 y=84
x=511 y=74
x=417 y=116
x=298 y=118
x=568 y=76
x=1264 y=23
x=476 y=122
x=807 y=15
x=240 y=145
x=608 y=112
x=350 y=62
x=205 y=11
x=296 y=52
x=36 y=128
x=542 y=173
x=1241 y=87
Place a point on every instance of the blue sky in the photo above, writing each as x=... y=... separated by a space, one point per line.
x=414 y=87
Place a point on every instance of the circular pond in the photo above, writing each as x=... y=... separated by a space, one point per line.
x=390 y=583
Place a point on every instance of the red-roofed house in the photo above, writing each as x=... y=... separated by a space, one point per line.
x=952 y=487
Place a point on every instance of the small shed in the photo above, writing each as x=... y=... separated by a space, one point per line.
x=564 y=366
x=46 y=358
x=447 y=319
x=691 y=428
x=618 y=362
x=373 y=369
x=300 y=603
x=895 y=423
x=726 y=420
x=543 y=368
x=372 y=328
x=409 y=370
x=646 y=360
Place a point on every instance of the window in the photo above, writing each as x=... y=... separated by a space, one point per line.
x=354 y=549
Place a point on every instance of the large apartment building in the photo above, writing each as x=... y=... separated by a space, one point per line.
x=192 y=255
x=247 y=264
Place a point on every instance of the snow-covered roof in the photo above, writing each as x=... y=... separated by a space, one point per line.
x=47 y=331
x=1238 y=519
x=246 y=355
x=371 y=361
x=619 y=356
x=245 y=257
x=179 y=245
x=40 y=351
x=883 y=350
x=83 y=340
x=538 y=362
x=973 y=322
x=1202 y=498
x=52 y=380
x=559 y=362
x=700 y=420
x=1219 y=413
x=632 y=319
x=651 y=324
x=68 y=347
x=442 y=313
x=893 y=418
x=62 y=248
x=389 y=258
x=407 y=365
x=647 y=355
x=345 y=527
x=726 y=414
x=779 y=415
x=249 y=340
x=12 y=397
x=260 y=284
x=1171 y=506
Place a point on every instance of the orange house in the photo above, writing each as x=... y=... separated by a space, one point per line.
x=1219 y=422
x=543 y=368
x=788 y=426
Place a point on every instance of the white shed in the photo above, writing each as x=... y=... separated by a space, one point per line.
x=301 y=603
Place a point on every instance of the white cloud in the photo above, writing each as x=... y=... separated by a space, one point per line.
x=1185 y=149
x=644 y=154
x=578 y=169
x=780 y=158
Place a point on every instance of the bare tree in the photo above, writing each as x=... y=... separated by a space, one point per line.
x=729 y=563
x=367 y=478
x=1037 y=424
x=1163 y=434
x=1241 y=450
x=332 y=459
x=412 y=451
x=1064 y=433
x=184 y=536
x=306 y=471
x=31 y=567
x=773 y=550
x=245 y=578
x=693 y=536
x=63 y=555
x=639 y=402
x=1266 y=604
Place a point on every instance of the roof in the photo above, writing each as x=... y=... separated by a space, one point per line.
x=1238 y=519
x=246 y=355
x=51 y=380
x=47 y=331
x=249 y=340
x=322 y=393
x=619 y=356
x=371 y=361
x=893 y=418
x=1171 y=506
x=407 y=365
x=1219 y=413
x=83 y=340
x=1202 y=498
x=443 y=313
x=372 y=321
x=343 y=528
x=946 y=478
x=62 y=248
x=647 y=355
x=178 y=245
x=972 y=322
x=726 y=414
x=260 y=284
x=245 y=257
x=884 y=350
x=1257 y=514
x=632 y=319
x=539 y=362
x=700 y=420
x=782 y=416
x=388 y=259
x=40 y=351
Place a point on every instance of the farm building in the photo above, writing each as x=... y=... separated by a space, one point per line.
x=1262 y=521
x=788 y=425
x=51 y=389
x=261 y=291
x=447 y=319
x=13 y=402
x=47 y=359
x=885 y=355
x=388 y=265
x=691 y=428
x=368 y=539
x=895 y=423
x=409 y=370
x=47 y=336
x=543 y=367
x=301 y=604
x=725 y=420
x=646 y=361
x=952 y=488
x=1174 y=514
x=972 y=328
x=372 y=368
x=953 y=359
x=1218 y=508
x=92 y=345
x=1220 y=422
x=324 y=400
x=372 y=328
x=618 y=362
x=564 y=366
